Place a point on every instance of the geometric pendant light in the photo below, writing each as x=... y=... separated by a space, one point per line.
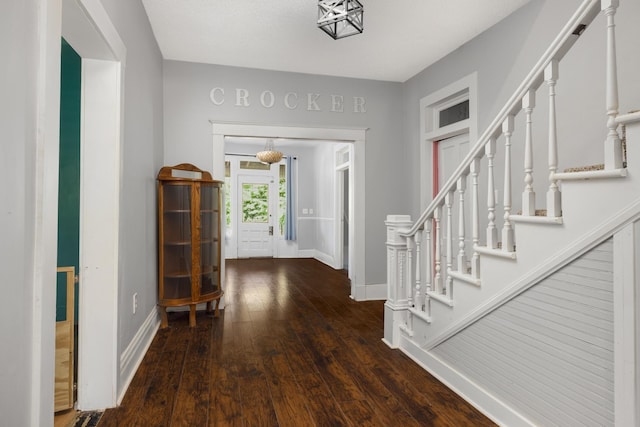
x=340 y=18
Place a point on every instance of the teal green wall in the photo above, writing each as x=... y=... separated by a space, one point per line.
x=69 y=174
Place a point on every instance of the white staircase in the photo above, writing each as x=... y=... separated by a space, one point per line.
x=444 y=279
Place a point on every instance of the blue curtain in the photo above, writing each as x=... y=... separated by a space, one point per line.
x=290 y=225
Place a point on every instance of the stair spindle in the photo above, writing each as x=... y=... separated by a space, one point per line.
x=428 y=267
x=475 y=218
x=417 y=302
x=492 y=232
x=613 y=145
x=507 y=228
x=409 y=284
x=528 y=195
x=448 y=200
x=462 y=257
x=554 y=207
x=437 y=279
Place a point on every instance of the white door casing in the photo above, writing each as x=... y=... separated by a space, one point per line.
x=355 y=136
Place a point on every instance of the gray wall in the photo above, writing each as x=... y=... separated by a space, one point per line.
x=142 y=151
x=548 y=353
x=503 y=55
x=188 y=109
x=18 y=121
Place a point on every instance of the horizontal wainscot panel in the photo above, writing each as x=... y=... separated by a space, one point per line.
x=548 y=353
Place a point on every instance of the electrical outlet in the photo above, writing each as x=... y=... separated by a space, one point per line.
x=135 y=303
x=310 y=211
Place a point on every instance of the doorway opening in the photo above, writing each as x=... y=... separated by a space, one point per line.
x=88 y=30
x=353 y=137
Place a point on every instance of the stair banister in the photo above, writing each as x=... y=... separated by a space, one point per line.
x=585 y=14
x=613 y=145
x=528 y=195
x=554 y=208
x=507 y=229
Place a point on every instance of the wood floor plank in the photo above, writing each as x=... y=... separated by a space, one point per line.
x=289 y=349
x=192 y=399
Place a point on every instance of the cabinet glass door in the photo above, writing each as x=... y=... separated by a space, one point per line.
x=176 y=201
x=210 y=238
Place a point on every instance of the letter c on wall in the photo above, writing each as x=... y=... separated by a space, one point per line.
x=212 y=95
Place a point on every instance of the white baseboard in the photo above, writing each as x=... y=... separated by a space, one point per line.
x=306 y=253
x=324 y=258
x=486 y=403
x=132 y=356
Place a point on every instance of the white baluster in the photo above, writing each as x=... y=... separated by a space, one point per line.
x=410 y=246
x=437 y=279
x=528 y=195
x=475 y=218
x=507 y=229
x=448 y=200
x=462 y=257
x=554 y=208
x=492 y=232
x=613 y=145
x=428 y=267
x=417 y=302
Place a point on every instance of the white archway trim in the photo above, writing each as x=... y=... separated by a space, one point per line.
x=356 y=136
x=88 y=28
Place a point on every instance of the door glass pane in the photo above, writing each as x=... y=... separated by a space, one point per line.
x=176 y=201
x=455 y=113
x=255 y=203
x=210 y=238
x=254 y=165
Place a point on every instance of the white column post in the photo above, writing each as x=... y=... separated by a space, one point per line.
x=507 y=229
x=397 y=304
x=428 y=268
x=409 y=269
x=475 y=218
x=554 y=207
x=528 y=195
x=448 y=200
x=437 y=278
x=613 y=145
x=417 y=302
x=626 y=325
x=462 y=257
x=492 y=231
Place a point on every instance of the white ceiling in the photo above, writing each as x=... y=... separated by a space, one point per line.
x=400 y=39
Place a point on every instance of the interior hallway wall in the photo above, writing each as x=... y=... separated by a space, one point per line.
x=503 y=55
x=141 y=157
x=188 y=110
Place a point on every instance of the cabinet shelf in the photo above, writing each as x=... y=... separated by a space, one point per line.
x=178 y=243
x=189 y=202
x=177 y=274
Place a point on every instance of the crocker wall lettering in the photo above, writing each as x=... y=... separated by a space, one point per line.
x=291 y=100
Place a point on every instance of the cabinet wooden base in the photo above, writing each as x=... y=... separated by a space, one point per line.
x=164 y=320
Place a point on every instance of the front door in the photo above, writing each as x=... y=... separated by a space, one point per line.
x=451 y=152
x=255 y=216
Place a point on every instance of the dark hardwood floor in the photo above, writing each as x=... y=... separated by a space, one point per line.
x=290 y=349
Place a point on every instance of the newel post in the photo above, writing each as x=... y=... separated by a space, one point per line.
x=397 y=304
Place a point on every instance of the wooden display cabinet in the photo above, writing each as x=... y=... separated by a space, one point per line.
x=189 y=214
